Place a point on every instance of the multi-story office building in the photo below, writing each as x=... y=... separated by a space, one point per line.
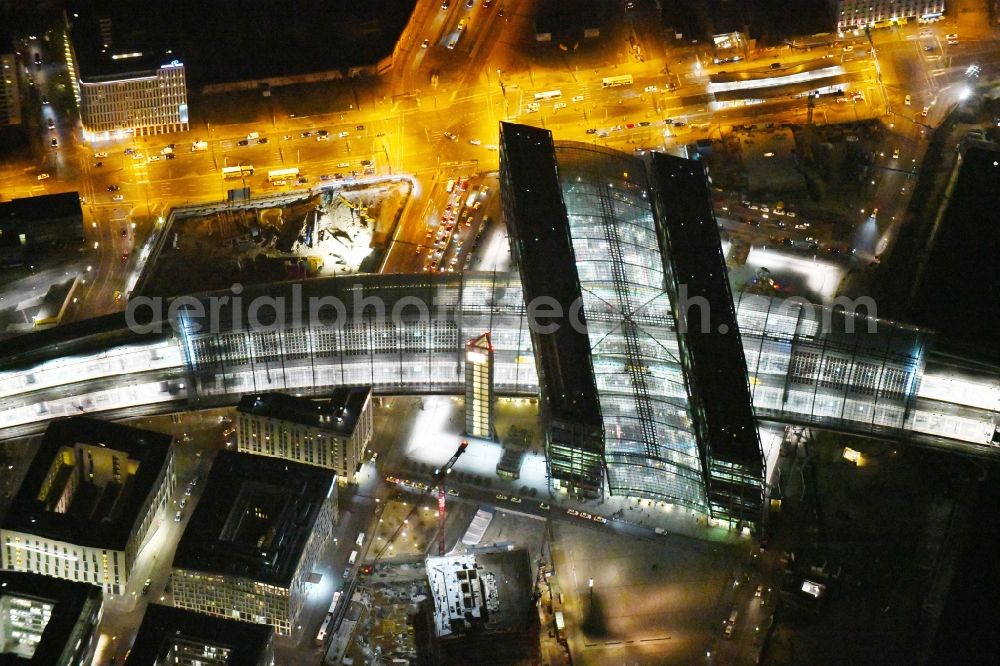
x=124 y=79
x=479 y=387
x=46 y=621
x=90 y=498
x=253 y=540
x=853 y=14
x=329 y=433
x=10 y=94
x=173 y=636
x=632 y=392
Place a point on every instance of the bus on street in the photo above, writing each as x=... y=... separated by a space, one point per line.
x=613 y=81
x=552 y=94
x=241 y=171
x=283 y=174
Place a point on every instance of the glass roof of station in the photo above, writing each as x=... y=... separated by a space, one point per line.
x=650 y=446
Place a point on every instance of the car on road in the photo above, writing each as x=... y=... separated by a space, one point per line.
x=453 y=492
x=450 y=136
x=952 y=42
x=322 y=133
x=586 y=516
x=848 y=48
x=98 y=156
x=461 y=24
x=501 y=496
x=453 y=43
x=243 y=142
x=54 y=143
x=952 y=36
x=470 y=3
x=543 y=506
x=326 y=177
x=425 y=44
x=118 y=197
x=52 y=124
x=491 y=146
x=305 y=135
x=573 y=512
x=533 y=107
x=344 y=135
x=515 y=499
x=592 y=130
x=907 y=100
x=124 y=257
x=98 y=165
x=178 y=516
x=475 y=142
x=45 y=100
x=322 y=137
x=775 y=65
x=262 y=140
x=651 y=89
x=154 y=158
x=759 y=591
x=577 y=98
x=600 y=519
x=43 y=176
x=113 y=188
x=446 y=4
x=929 y=48
x=559 y=105
x=895 y=154
x=924 y=111
x=146 y=586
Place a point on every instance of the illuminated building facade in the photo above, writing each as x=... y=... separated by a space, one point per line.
x=10 y=92
x=91 y=497
x=254 y=539
x=174 y=636
x=47 y=621
x=131 y=87
x=591 y=232
x=479 y=387
x=330 y=433
x=853 y=14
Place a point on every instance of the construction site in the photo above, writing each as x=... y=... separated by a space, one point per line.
x=324 y=233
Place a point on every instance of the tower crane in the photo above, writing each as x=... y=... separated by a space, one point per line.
x=439 y=485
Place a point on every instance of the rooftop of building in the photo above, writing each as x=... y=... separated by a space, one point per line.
x=254 y=519
x=337 y=415
x=544 y=253
x=485 y=592
x=42 y=207
x=170 y=634
x=716 y=365
x=98 y=516
x=116 y=39
x=955 y=302
x=67 y=601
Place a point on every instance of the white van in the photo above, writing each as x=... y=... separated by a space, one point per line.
x=450 y=186
x=353 y=558
x=361 y=539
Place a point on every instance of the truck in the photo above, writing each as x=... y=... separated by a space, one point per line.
x=199 y=145
x=252 y=136
x=167 y=151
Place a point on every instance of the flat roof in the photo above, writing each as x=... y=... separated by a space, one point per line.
x=716 y=365
x=228 y=536
x=69 y=601
x=537 y=220
x=40 y=208
x=338 y=415
x=114 y=39
x=164 y=626
x=29 y=514
x=957 y=292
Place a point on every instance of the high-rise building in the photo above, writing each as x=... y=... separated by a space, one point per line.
x=637 y=397
x=328 y=433
x=252 y=542
x=126 y=81
x=10 y=94
x=479 y=387
x=174 y=636
x=47 y=621
x=90 y=498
